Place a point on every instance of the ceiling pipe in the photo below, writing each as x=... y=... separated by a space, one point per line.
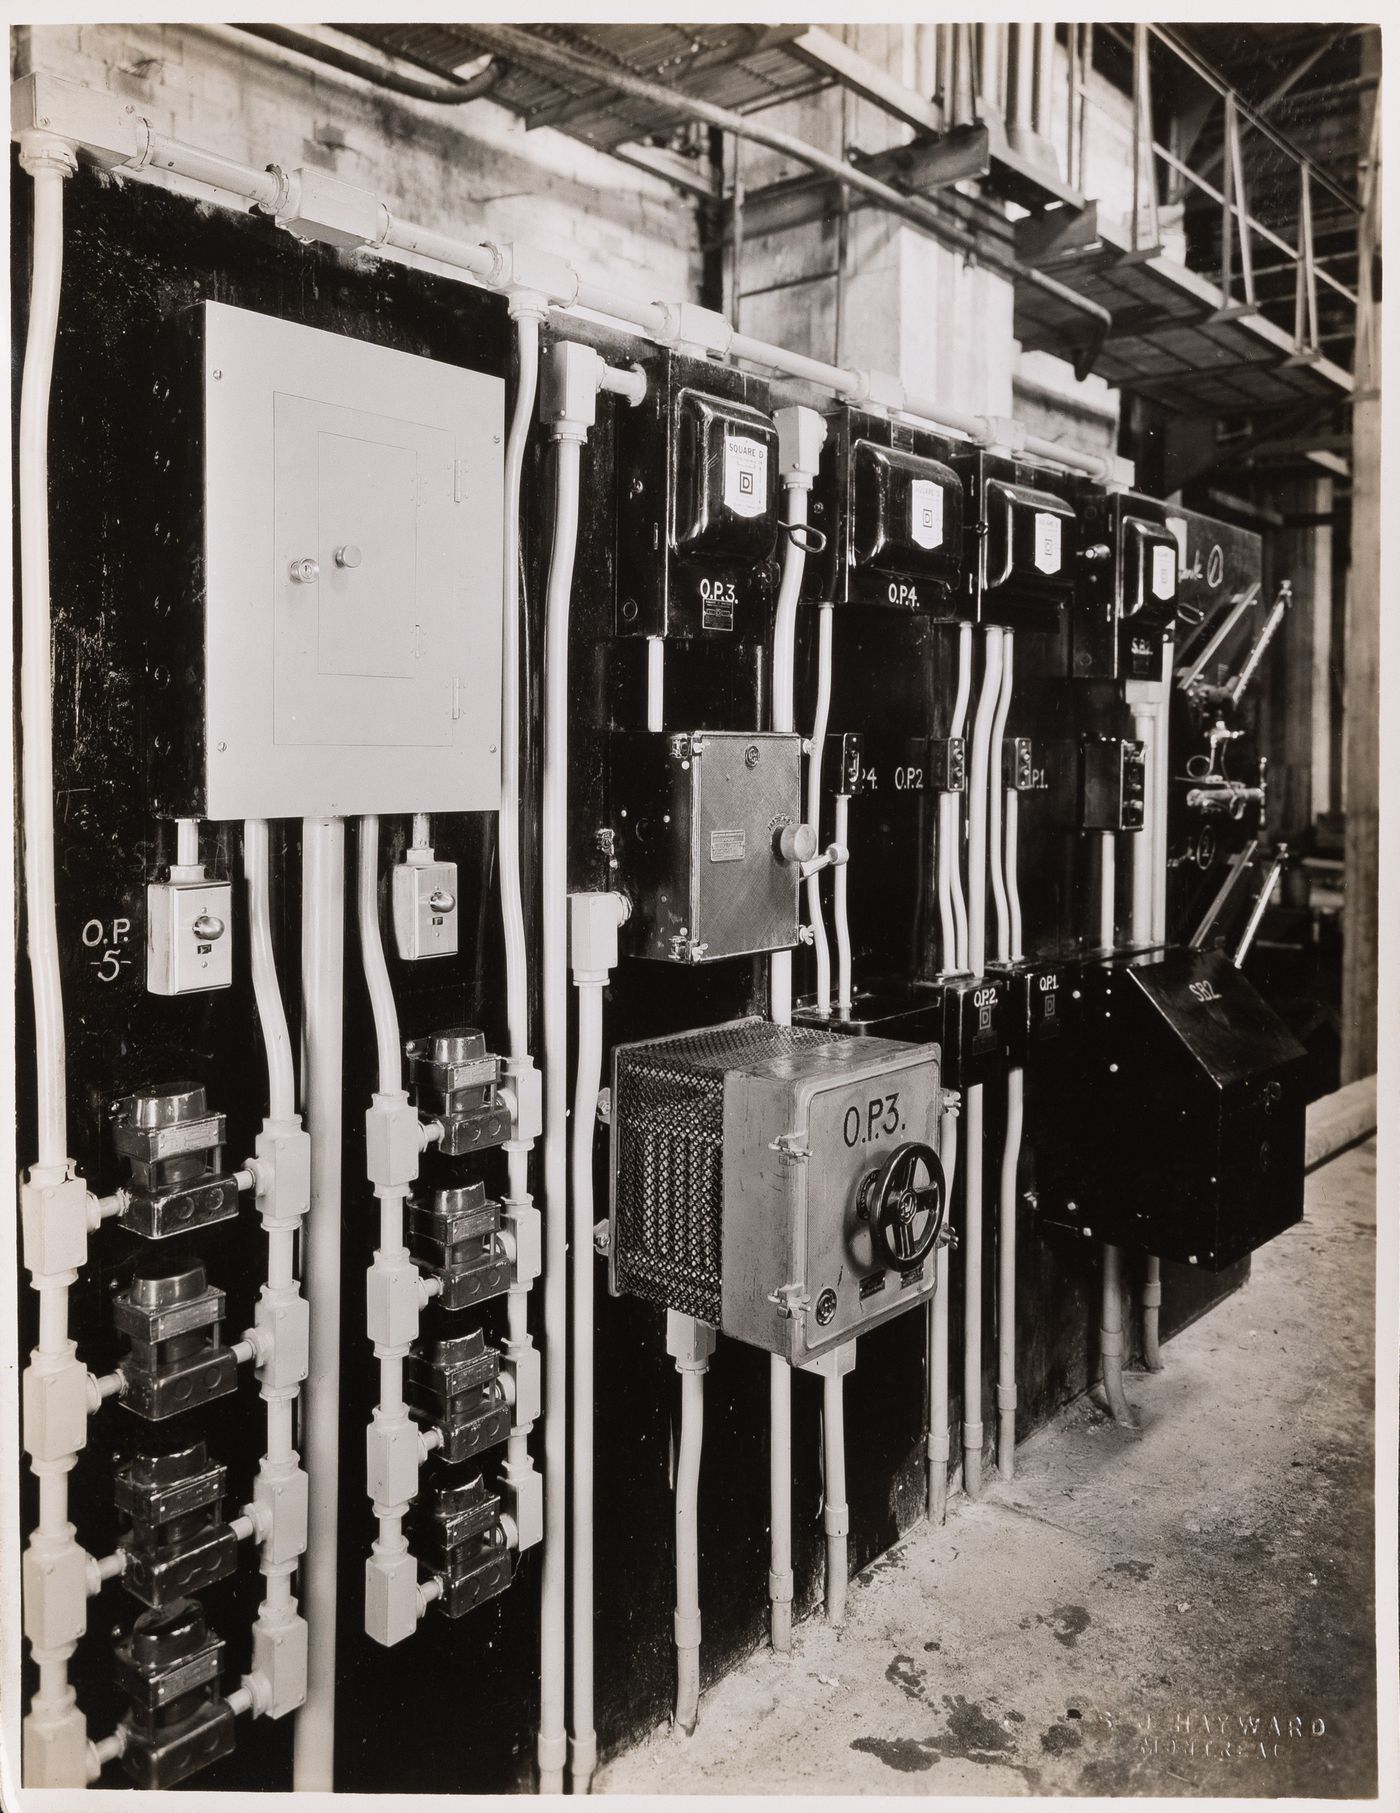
x=510 y=42
x=453 y=94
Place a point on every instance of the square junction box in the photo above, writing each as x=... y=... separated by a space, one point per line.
x=698 y=819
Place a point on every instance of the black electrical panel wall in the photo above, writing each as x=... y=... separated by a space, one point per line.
x=696 y=502
x=890 y=506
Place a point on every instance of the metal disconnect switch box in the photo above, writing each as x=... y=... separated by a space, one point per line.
x=780 y=1183
x=338 y=541
x=707 y=827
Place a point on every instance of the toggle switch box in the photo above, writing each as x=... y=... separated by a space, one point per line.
x=189 y=936
x=425 y=908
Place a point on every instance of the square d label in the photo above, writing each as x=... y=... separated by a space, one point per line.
x=926 y=512
x=745 y=475
x=1047 y=541
x=1163 y=571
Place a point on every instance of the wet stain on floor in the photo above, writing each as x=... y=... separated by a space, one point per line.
x=1068 y=1622
x=907 y=1754
x=904 y=1674
x=1060 y=1738
x=972 y=1731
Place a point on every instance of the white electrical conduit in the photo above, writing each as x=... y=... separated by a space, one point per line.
x=54 y=1704
x=814 y=805
x=1108 y=851
x=691 y=1366
x=1010 y=1152
x=553 y=1746
x=587 y=1079
x=780 y=1012
x=1140 y=908
x=527 y=312
x=276 y=1612
x=836 y=1515
x=948 y=945
x=1006 y=1275
x=1111 y=1314
x=988 y=700
x=492 y=266
x=48 y=163
x=656 y=683
x=1156 y=933
x=323 y=991
x=955 y=729
x=840 y=913
x=938 y=1329
x=995 y=790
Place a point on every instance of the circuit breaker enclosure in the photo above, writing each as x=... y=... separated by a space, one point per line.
x=1023 y=539
x=327 y=625
x=738 y=1158
x=890 y=505
x=1192 y=1113
x=698 y=819
x=697 y=503
x=1130 y=576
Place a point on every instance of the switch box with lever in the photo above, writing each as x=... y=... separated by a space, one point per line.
x=781 y=1183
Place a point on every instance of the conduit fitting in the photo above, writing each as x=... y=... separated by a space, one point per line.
x=594 y=920
x=527 y=305
x=522 y=1094
x=47 y=107
x=59 y=1576
x=56 y=1215
x=276 y=1683
x=56 y=1749
x=545 y=280
x=880 y=391
x=40 y=150
x=281 y=1172
x=801 y=437
x=394 y=1139
x=107 y=1750
x=319 y=209
x=694 y=329
x=1005 y=434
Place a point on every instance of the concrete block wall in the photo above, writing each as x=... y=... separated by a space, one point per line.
x=906 y=305
x=447 y=168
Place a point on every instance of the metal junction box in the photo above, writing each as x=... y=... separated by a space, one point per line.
x=891 y=507
x=1190 y=1119
x=334 y=610
x=697 y=503
x=1130 y=564
x=699 y=821
x=779 y=1183
x=1023 y=540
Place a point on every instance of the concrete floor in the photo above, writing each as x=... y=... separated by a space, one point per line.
x=1183 y=1610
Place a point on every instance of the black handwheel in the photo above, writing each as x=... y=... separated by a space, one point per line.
x=905 y=1213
